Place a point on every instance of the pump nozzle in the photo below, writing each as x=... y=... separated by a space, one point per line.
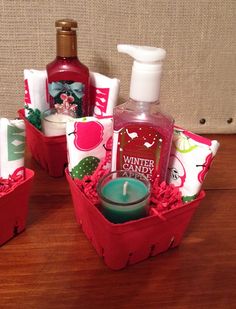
x=66 y=38
x=145 y=54
x=146 y=71
x=66 y=24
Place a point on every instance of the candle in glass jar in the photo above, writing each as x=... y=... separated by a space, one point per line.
x=124 y=196
x=54 y=123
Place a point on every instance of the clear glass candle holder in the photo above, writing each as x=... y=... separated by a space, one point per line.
x=54 y=122
x=124 y=196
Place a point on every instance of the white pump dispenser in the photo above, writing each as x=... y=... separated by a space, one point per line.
x=146 y=71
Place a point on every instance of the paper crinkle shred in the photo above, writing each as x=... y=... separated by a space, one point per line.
x=12 y=181
x=164 y=197
x=88 y=185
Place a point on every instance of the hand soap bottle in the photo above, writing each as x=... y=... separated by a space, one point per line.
x=142 y=133
x=68 y=78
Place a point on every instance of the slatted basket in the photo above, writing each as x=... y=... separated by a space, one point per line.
x=49 y=151
x=14 y=208
x=124 y=244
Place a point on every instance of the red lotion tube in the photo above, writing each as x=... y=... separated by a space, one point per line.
x=66 y=74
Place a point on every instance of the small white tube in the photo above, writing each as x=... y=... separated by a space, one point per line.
x=104 y=93
x=12 y=146
x=36 y=94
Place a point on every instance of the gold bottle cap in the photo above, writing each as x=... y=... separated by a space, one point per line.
x=66 y=38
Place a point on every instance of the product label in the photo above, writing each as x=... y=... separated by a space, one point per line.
x=27 y=93
x=16 y=143
x=99 y=97
x=138 y=148
x=67 y=92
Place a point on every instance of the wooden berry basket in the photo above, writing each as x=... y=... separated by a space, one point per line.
x=124 y=244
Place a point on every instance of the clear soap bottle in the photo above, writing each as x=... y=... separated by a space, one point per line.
x=68 y=78
x=142 y=132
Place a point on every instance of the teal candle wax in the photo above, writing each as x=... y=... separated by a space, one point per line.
x=124 y=198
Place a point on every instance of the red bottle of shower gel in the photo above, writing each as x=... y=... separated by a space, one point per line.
x=142 y=133
x=68 y=78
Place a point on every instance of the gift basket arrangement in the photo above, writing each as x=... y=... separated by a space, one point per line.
x=128 y=222
x=15 y=181
x=135 y=177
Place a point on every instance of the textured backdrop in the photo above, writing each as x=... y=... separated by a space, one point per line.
x=199 y=36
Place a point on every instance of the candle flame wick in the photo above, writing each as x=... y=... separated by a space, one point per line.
x=125 y=188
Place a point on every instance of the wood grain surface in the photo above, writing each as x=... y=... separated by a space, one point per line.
x=53 y=265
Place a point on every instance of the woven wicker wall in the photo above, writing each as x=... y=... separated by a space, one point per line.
x=199 y=36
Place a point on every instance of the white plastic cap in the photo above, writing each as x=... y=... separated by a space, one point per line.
x=146 y=71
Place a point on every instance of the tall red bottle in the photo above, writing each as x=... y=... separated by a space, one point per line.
x=68 y=78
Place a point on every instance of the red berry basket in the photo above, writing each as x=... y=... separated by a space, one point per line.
x=124 y=244
x=49 y=151
x=14 y=208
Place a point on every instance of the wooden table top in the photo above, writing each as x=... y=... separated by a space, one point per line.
x=53 y=265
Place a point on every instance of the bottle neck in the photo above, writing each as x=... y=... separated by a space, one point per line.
x=139 y=107
x=67 y=59
x=142 y=107
x=66 y=44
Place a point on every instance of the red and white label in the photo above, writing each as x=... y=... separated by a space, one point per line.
x=99 y=97
x=137 y=147
x=27 y=93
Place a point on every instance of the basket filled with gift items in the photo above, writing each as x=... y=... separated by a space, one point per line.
x=124 y=231
x=15 y=179
x=135 y=178
x=46 y=123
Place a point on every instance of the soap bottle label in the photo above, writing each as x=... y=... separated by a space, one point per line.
x=137 y=147
x=67 y=92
